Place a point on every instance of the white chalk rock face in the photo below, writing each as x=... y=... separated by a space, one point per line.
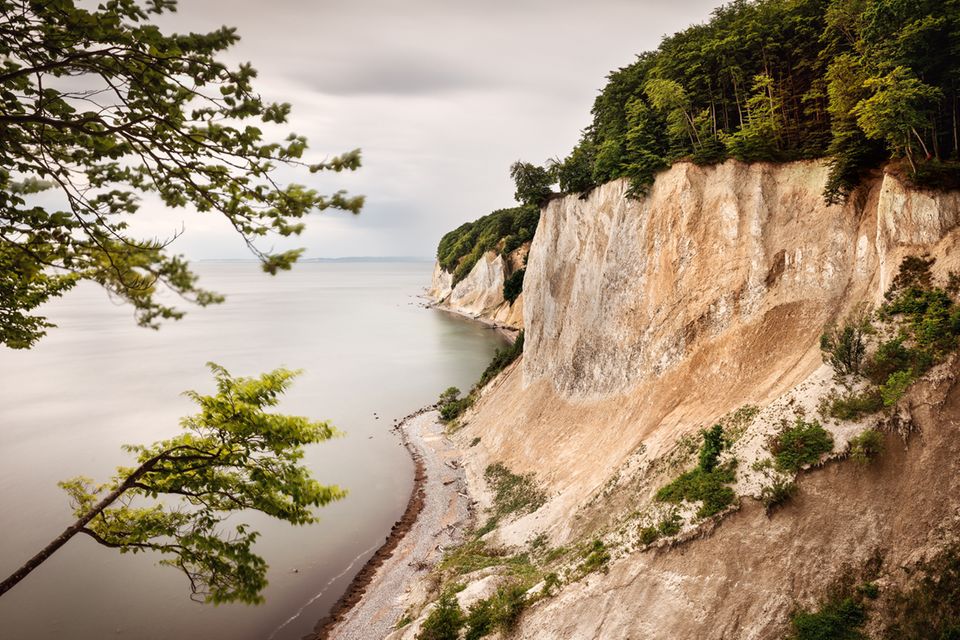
x=620 y=290
x=480 y=294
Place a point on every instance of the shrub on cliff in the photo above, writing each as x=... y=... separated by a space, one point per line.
x=513 y=286
x=844 y=347
x=445 y=621
x=708 y=481
x=799 y=445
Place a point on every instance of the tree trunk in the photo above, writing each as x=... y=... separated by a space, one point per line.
x=76 y=527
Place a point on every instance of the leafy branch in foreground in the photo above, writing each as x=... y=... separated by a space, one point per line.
x=233 y=456
x=99 y=107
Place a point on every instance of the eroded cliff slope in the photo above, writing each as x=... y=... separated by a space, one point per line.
x=648 y=320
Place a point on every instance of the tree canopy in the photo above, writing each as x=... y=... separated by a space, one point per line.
x=233 y=456
x=855 y=81
x=98 y=108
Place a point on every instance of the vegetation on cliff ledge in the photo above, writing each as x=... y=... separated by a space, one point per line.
x=858 y=81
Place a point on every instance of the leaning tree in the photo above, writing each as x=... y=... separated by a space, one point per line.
x=99 y=107
x=233 y=456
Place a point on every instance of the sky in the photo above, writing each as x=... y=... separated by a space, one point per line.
x=440 y=95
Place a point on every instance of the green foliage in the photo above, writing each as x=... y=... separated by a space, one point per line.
x=713 y=446
x=595 y=558
x=532 y=183
x=801 y=444
x=513 y=494
x=502 y=359
x=499 y=612
x=844 y=347
x=835 y=620
x=707 y=482
x=895 y=386
x=772 y=496
x=101 y=108
x=451 y=405
x=445 y=620
x=233 y=456
x=853 y=406
x=900 y=106
x=513 y=286
x=575 y=172
x=774 y=80
x=501 y=231
x=758 y=139
x=668 y=526
x=866 y=446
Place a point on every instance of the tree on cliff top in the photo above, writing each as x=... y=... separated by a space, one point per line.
x=99 y=107
x=532 y=182
x=232 y=456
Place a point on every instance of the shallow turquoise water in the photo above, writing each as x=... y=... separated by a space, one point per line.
x=98 y=381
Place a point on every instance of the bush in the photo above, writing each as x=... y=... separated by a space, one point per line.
x=707 y=482
x=706 y=486
x=854 y=406
x=513 y=286
x=891 y=356
x=836 y=620
x=451 y=405
x=502 y=359
x=802 y=444
x=596 y=558
x=778 y=493
x=669 y=526
x=479 y=620
x=896 y=385
x=844 y=347
x=444 y=622
x=866 y=446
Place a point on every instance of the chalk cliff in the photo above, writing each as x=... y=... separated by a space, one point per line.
x=647 y=320
x=480 y=294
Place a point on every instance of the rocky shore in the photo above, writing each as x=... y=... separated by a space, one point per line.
x=438 y=513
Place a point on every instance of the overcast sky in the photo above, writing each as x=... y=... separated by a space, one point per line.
x=440 y=95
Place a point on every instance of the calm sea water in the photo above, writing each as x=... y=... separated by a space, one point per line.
x=98 y=381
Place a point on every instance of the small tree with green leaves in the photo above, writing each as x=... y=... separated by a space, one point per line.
x=900 y=105
x=532 y=182
x=233 y=456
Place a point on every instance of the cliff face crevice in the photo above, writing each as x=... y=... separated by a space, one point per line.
x=649 y=319
x=480 y=294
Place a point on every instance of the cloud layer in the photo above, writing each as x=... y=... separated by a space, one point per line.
x=441 y=95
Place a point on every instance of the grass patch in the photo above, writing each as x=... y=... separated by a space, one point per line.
x=853 y=406
x=595 y=558
x=512 y=493
x=669 y=526
x=799 y=445
x=502 y=359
